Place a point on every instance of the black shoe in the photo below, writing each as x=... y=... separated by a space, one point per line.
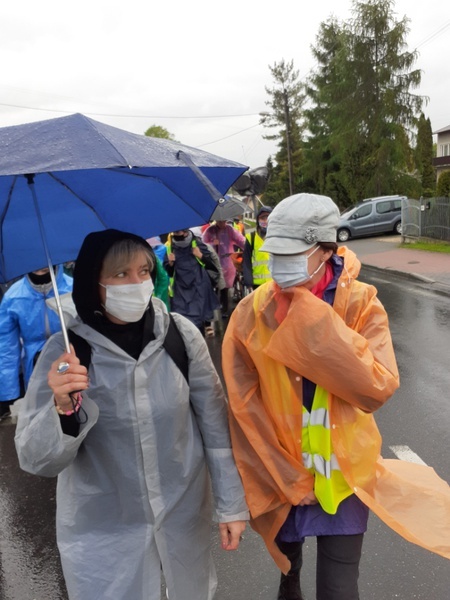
x=5 y=414
x=290 y=586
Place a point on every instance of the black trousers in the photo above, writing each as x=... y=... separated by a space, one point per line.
x=223 y=294
x=337 y=567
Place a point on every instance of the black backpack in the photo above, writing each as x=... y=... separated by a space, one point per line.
x=173 y=344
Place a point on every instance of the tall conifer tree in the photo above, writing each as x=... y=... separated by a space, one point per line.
x=362 y=99
x=286 y=99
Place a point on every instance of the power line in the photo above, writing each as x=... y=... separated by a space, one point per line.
x=134 y=116
x=228 y=136
x=97 y=114
x=433 y=35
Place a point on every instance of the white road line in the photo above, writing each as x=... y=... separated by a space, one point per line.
x=405 y=453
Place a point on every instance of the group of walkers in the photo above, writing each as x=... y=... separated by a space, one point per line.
x=135 y=423
x=191 y=276
x=202 y=271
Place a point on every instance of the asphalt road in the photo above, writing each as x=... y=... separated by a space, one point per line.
x=417 y=417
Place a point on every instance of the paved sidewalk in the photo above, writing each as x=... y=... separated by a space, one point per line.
x=431 y=268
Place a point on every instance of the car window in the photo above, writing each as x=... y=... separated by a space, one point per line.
x=397 y=205
x=363 y=211
x=384 y=207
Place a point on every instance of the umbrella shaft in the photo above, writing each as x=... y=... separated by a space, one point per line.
x=30 y=179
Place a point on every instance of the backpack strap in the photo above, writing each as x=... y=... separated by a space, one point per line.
x=82 y=348
x=176 y=348
x=173 y=344
x=252 y=243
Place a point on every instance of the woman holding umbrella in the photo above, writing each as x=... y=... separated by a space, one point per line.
x=132 y=444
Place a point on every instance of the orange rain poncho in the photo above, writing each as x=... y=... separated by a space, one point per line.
x=347 y=350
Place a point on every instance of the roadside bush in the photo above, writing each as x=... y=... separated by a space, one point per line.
x=443 y=184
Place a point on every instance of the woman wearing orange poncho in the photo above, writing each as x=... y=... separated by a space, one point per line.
x=307 y=359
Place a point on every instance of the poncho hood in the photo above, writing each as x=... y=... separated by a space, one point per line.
x=87 y=271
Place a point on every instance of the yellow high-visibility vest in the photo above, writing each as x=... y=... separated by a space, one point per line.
x=260 y=260
x=330 y=486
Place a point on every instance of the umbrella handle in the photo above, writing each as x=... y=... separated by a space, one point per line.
x=30 y=180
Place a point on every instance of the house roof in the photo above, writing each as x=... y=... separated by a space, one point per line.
x=444 y=129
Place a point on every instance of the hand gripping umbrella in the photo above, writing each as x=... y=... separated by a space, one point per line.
x=61 y=179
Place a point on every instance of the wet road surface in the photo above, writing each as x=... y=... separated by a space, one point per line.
x=29 y=560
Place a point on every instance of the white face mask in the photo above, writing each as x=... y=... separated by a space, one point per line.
x=291 y=269
x=128 y=302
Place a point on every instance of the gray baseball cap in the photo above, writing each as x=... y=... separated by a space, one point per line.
x=298 y=222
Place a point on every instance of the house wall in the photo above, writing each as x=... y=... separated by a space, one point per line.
x=443 y=144
x=442 y=160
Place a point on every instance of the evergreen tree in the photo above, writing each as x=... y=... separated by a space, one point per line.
x=363 y=112
x=325 y=89
x=382 y=107
x=286 y=101
x=443 y=184
x=424 y=157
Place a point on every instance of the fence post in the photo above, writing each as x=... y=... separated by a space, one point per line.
x=420 y=217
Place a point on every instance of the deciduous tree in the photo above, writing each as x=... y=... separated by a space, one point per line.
x=159 y=132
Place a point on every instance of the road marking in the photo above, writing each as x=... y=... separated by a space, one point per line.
x=405 y=453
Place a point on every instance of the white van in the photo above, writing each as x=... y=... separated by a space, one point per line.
x=382 y=214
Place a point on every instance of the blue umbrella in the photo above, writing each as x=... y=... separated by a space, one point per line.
x=62 y=178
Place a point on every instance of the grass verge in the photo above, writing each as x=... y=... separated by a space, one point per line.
x=428 y=246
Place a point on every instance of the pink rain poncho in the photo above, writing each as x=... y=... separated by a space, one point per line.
x=223 y=240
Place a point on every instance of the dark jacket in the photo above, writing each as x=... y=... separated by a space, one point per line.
x=193 y=294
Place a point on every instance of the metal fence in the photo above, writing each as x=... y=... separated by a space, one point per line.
x=427 y=217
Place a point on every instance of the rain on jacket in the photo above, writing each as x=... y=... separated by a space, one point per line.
x=26 y=323
x=132 y=491
x=320 y=342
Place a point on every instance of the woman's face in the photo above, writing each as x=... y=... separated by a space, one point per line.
x=136 y=270
x=314 y=261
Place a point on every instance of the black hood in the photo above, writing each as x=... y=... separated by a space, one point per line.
x=87 y=269
x=264 y=209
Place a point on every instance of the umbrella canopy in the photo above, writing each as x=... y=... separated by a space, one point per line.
x=228 y=209
x=83 y=176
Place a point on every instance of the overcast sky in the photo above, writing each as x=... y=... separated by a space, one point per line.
x=197 y=67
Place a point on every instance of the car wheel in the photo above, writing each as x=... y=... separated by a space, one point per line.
x=398 y=227
x=343 y=235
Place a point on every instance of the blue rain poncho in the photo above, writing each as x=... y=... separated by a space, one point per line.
x=26 y=322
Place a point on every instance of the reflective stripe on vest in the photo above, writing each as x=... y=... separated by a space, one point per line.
x=330 y=486
x=260 y=260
